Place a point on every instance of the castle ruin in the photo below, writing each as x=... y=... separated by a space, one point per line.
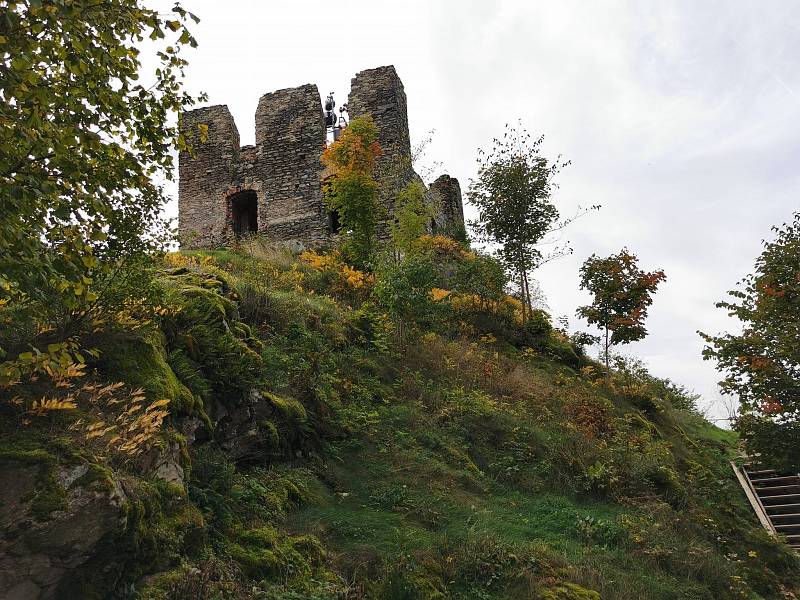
x=276 y=186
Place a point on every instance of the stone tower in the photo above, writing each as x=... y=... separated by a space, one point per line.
x=379 y=93
x=445 y=195
x=275 y=186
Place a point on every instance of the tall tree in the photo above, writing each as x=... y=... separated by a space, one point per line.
x=761 y=363
x=622 y=293
x=512 y=193
x=352 y=192
x=84 y=141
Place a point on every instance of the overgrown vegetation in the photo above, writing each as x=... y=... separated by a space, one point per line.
x=352 y=190
x=476 y=459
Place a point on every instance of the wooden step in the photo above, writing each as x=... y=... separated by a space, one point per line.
x=759 y=473
x=780 y=516
x=775 y=479
x=785 y=498
x=775 y=498
x=775 y=490
x=788 y=505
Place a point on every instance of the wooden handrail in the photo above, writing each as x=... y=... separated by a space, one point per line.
x=752 y=496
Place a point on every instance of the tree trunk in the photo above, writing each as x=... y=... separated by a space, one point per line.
x=608 y=372
x=523 y=288
x=528 y=303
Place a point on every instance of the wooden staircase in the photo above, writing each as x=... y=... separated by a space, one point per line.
x=775 y=497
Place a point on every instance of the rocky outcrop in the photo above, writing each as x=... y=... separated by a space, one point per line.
x=168 y=462
x=52 y=518
x=246 y=431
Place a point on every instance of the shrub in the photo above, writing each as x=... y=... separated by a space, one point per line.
x=404 y=290
x=334 y=277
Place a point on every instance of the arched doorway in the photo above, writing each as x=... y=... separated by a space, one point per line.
x=243 y=212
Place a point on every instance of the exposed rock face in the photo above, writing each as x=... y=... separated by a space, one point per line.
x=168 y=462
x=243 y=430
x=39 y=549
x=275 y=187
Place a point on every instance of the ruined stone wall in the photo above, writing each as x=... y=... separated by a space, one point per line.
x=290 y=138
x=283 y=168
x=205 y=174
x=379 y=93
x=446 y=198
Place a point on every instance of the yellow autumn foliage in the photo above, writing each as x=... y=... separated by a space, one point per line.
x=345 y=279
x=444 y=247
x=473 y=302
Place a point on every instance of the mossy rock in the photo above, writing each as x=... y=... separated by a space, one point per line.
x=141 y=362
x=288 y=408
x=568 y=591
x=29 y=484
x=269 y=434
x=58 y=518
x=265 y=552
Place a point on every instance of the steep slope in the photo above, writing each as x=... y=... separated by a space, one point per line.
x=309 y=453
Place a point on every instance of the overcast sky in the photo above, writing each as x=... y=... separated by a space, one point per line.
x=680 y=118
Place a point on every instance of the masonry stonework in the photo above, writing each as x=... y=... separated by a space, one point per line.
x=380 y=94
x=275 y=187
x=449 y=209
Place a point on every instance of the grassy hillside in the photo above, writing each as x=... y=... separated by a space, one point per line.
x=312 y=452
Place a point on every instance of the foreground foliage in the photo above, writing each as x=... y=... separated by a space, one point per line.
x=83 y=140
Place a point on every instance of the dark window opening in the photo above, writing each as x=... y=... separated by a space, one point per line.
x=334 y=221
x=244 y=212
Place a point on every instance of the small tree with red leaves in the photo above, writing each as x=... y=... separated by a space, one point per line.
x=622 y=294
